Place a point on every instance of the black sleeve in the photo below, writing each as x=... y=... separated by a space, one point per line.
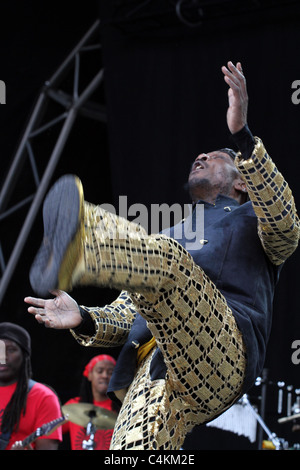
x=87 y=326
x=244 y=141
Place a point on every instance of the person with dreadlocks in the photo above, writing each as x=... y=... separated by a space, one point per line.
x=25 y=405
x=93 y=390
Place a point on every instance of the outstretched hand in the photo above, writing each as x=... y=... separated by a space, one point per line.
x=61 y=312
x=237 y=97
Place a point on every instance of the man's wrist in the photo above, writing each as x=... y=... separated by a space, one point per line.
x=244 y=141
x=86 y=327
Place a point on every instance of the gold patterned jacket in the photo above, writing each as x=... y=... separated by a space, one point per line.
x=244 y=250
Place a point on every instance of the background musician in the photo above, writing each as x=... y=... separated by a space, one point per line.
x=25 y=405
x=93 y=390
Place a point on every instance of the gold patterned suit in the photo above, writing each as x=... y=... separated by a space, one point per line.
x=191 y=320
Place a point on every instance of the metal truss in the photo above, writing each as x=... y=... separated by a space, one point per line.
x=70 y=104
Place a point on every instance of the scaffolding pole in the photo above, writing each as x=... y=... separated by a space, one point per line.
x=75 y=104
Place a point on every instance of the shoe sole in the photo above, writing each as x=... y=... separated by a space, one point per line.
x=63 y=224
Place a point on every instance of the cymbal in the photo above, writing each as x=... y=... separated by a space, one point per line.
x=289 y=418
x=84 y=413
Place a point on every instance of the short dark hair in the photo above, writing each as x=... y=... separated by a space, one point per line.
x=229 y=152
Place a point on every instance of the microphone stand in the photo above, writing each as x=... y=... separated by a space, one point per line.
x=278 y=443
x=89 y=444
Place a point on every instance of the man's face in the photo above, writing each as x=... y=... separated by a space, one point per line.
x=211 y=174
x=9 y=371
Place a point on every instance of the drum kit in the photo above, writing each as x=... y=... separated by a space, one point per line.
x=90 y=417
x=293 y=411
x=285 y=396
x=242 y=418
x=288 y=403
x=93 y=417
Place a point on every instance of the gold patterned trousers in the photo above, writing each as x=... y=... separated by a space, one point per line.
x=190 y=320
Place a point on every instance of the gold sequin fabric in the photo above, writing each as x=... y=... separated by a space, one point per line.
x=193 y=326
x=189 y=318
x=273 y=203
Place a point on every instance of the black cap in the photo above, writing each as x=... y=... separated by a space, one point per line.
x=17 y=334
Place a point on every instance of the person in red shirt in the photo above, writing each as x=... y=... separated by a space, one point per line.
x=96 y=376
x=25 y=405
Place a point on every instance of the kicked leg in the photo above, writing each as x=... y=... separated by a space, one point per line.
x=84 y=244
x=192 y=324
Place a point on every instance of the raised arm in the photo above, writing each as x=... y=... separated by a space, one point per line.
x=273 y=203
x=271 y=197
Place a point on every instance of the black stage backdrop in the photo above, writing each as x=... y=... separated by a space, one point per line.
x=166 y=102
